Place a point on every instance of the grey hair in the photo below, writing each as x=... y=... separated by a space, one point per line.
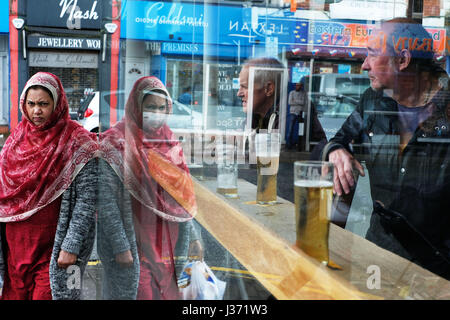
x=264 y=76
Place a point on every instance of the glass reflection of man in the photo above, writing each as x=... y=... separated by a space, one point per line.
x=402 y=122
x=265 y=91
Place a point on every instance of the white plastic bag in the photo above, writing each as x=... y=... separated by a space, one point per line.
x=198 y=282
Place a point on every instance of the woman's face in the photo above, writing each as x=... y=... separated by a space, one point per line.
x=154 y=110
x=39 y=105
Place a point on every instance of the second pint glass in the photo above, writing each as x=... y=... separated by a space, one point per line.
x=267 y=147
x=313 y=194
x=227 y=171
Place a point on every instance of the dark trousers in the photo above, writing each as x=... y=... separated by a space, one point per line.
x=292 y=136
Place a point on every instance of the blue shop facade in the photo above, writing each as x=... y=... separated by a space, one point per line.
x=197 y=50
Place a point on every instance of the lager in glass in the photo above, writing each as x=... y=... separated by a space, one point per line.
x=267 y=169
x=227 y=180
x=313 y=195
x=267 y=147
x=313 y=201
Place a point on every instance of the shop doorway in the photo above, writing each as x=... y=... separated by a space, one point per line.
x=74 y=81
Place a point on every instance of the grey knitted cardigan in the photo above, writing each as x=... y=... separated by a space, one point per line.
x=75 y=233
x=115 y=234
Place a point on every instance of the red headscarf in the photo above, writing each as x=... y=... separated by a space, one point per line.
x=38 y=163
x=145 y=159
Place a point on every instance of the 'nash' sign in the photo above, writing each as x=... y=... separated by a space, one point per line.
x=71 y=14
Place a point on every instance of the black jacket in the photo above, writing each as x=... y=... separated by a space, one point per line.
x=410 y=190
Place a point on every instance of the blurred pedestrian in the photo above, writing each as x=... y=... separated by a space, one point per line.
x=186 y=97
x=48 y=180
x=297 y=106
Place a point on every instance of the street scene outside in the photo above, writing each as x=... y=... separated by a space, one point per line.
x=155 y=141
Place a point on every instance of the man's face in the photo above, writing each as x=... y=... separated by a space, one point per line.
x=379 y=64
x=259 y=92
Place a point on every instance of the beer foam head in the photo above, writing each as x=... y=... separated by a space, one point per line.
x=267 y=145
x=313 y=183
x=268 y=153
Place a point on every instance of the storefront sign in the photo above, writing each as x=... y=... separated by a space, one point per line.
x=63 y=60
x=154 y=48
x=368 y=10
x=291 y=31
x=197 y=49
x=439 y=39
x=298 y=73
x=182 y=48
x=4 y=16
x=63 y=43
x=237 y=26
x=272 y=47
x=162 y=20
x=212 y=24
x=338 y=34
x=184 y=22
x=71 y=14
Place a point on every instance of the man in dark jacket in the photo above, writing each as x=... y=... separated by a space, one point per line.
x=402 y=127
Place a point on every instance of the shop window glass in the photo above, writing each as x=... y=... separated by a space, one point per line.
x=202 y=67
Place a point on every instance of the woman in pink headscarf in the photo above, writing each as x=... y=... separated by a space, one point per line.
x=47 y=195
x=146 y=194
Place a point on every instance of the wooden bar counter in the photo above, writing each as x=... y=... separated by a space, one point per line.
x=262 y=239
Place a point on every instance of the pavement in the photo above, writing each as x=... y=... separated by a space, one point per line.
x=240 y=284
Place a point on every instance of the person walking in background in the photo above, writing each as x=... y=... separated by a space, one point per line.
x=186 y=97
x=297 y=106
x=48 y=181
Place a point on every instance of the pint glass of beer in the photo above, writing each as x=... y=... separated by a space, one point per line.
x=313 y=194
x=267 y=147
x=227 y=171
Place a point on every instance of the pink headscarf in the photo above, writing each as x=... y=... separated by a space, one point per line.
x=150 y=163
x=38 y=163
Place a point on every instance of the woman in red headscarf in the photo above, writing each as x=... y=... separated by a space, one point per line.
x=47 y=196
x=145 y=174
